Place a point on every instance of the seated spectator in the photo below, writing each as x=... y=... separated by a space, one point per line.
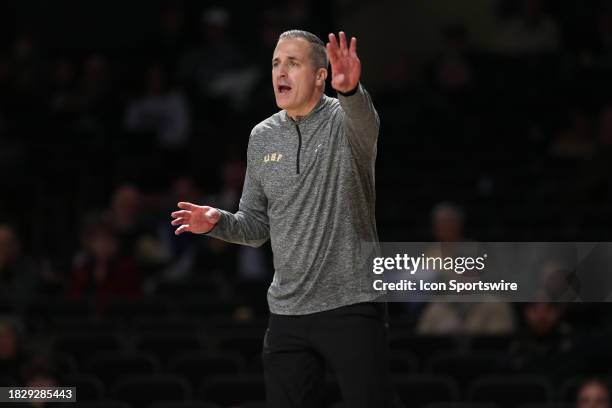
x=12 y=356
x=593 y=393
x=533 y=32
x=101 y=270
x=20 y=277
x=162 y=110
x=547 y=345
x=576 y=141
x=490 y=317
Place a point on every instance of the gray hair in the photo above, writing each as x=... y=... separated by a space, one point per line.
x=318 y=51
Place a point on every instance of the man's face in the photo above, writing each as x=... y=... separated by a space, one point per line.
x=294 y=76
x=593 y=395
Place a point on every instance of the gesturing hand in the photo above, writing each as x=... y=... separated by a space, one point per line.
x=345 y=65
x=195 y=218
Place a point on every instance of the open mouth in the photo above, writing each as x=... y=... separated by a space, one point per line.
x=283 y=88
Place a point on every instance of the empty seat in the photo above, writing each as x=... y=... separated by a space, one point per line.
x=510 y=391
x=48 y=308
x=423 y=346
x=7 y=382
x=199 y=307
x=187 y=289
x=464 y=367
x=130 y=309
x=84 y=344
x=551 y=405
x=403 y=362
x=164 y=345
x=248 y=344
x=416 y=390
x=83 y=324
x=151 y=324
x=142 y=390
x=460 y=405
x=231 y=389
x=184 y=404
x=88 y=387
x=491 y=343
x=93 y=404
x=253 y=404
x=109 y=366
x=65 y=363
x=195 y=366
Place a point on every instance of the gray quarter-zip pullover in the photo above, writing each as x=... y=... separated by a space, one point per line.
x=309 y=187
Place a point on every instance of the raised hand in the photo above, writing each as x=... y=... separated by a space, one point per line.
x=345 y=65
x=197 y=219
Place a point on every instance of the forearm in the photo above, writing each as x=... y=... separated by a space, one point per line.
x=243 y=227
x=361 y=119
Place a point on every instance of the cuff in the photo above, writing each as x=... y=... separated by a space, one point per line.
x=350 y=93
x=217 y=224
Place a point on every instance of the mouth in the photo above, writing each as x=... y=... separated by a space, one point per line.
x=283 y=89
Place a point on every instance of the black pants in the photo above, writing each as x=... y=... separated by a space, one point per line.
x=351 y=339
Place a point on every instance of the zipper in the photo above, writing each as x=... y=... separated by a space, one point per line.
x=297 y=159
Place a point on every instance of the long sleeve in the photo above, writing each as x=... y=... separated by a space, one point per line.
x=361 y=123
x=250 y=225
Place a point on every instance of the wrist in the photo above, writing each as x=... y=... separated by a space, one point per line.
x=351 y=92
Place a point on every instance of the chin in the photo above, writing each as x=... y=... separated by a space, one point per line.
x=281 y=104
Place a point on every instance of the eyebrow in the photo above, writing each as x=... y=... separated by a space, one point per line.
x=291 y=58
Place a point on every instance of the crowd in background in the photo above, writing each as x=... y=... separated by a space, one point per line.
x=97 y=145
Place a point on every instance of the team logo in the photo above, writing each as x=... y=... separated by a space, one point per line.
x=275 y=157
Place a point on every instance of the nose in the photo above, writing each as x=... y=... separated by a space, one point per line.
x=282 y=71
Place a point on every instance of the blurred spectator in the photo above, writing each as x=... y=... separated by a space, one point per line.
x=490 y=317
x=547 y=345
x=217 y=69
x=453 y=70
x=95 y=100
x=593 y=393
x=161 y=110
x=533 y=32
x=448 y=223
x=63 y=89
x=171 y=38
x=180 y=250
x=20 y=276
x=40 y=378
x=487 y=317
x=101 y=271
x=576 y=141
x=137 y=240
x=595 y=182
x=12 y=356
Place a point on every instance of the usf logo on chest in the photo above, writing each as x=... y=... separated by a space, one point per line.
x=275 y=157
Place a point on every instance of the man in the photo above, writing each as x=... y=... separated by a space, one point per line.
x=309 y=187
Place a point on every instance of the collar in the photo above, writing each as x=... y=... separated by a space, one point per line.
x=312 y=114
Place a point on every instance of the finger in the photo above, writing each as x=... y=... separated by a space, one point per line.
x=331 y=54
x=178 y=221
x=182 y=228
x=187 y=206
x=183 y=213
x=333 y=43
x=343 y=47
x=353 y=47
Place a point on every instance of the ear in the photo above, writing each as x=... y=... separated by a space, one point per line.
x=321 y=76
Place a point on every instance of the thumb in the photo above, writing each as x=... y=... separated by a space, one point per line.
x=213 y=215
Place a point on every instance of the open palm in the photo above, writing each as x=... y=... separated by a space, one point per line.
x=193 y=218
x=345 y=65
